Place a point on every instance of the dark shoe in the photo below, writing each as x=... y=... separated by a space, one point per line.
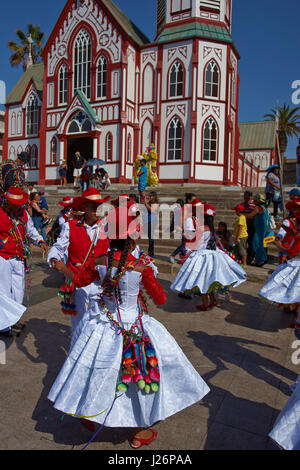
x=9 y=334
x=19 y=326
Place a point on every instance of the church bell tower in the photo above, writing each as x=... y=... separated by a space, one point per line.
x=170 y=12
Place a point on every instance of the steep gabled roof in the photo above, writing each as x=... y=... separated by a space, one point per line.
x=34 y=73
x=125 y=23
x=257 y=135
x=132 y=30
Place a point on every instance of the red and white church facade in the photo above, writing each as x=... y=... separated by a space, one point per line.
x=105 y=90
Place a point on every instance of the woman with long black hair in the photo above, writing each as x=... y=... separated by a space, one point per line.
x=125 y=369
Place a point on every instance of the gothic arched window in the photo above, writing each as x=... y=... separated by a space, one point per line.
x=34 y=157
x=32 y=115
x=210 y=139
x=129 y=149
x=108 y=147
x=212 y=79
x=82 y=63
x=63 y=85
x=176 y=80
x=102 y=77
x=175 y=140
x=53 y=151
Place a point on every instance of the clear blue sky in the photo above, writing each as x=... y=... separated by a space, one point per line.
x=266 y=33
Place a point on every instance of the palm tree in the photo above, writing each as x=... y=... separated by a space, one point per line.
x=289 y=124
x=20 y=50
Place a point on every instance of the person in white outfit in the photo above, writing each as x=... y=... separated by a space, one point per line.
x=78 y=239
x=125 y=369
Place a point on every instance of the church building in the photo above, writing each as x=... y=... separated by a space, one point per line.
x=106 y=90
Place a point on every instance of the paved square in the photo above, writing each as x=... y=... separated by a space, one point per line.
x=241 y=349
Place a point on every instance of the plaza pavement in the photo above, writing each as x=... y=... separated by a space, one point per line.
x=241 y=349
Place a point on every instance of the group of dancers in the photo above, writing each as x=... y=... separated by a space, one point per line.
x=124 y=369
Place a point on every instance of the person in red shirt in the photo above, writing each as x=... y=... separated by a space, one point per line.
x=16 y=228
x=79 y=240
x=125 y=369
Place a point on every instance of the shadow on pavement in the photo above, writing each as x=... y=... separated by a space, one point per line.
x=51 y=342
x=232 y=350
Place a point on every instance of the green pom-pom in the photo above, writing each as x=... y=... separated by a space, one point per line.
x=147 y=388
x=141 y=384
x=154 y=387
x=122 y=388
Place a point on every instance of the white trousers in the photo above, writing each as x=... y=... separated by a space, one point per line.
x=82 y=299
x=12 y=279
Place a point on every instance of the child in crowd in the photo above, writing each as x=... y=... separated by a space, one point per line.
x=240 y=234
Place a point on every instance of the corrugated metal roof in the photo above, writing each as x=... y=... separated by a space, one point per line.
x=35 y=72
x=195 y=29
x=257 y=135
x=131 y=29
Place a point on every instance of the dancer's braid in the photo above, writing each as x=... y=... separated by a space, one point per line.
x=107 y=284
x=124 y=246
x=121 y=265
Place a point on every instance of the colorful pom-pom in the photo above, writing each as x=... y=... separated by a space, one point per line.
x=153 y=361
x=154 y=387
x=126 y=378
x=122 y=388
x=154 y=375
x=141 y=384
x=147 y=389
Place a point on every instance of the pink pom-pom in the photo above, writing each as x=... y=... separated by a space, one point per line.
x=147 y=379
x=126 y=379
x=154 y=374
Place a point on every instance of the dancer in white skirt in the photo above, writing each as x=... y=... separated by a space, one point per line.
x=207 y=268
x=125 y=369
x=283 y=287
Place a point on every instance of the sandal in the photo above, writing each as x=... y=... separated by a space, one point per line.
x=213 y=304
x=201 y=308
x=145 y=441
x=88 y=424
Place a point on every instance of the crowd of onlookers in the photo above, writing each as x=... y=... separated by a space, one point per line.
x=84 y=176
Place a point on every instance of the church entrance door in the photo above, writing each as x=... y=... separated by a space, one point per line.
x=84 y=145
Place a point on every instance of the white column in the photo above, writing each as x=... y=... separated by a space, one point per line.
x=95 y=147
x=62 y=150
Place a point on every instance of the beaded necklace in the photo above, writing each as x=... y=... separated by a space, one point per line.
x=139 y=361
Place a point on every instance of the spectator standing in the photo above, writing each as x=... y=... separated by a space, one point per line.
x=261 y=227
x=152 y=207
x=38 y=215
x=62 y=171
x=298 y=165
x=177 y=226
x=240 y=234
x=249 y=207
x=44 y=206
x=78 y=165
x=85 y=177
x=273 y=188
x=142 y=185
